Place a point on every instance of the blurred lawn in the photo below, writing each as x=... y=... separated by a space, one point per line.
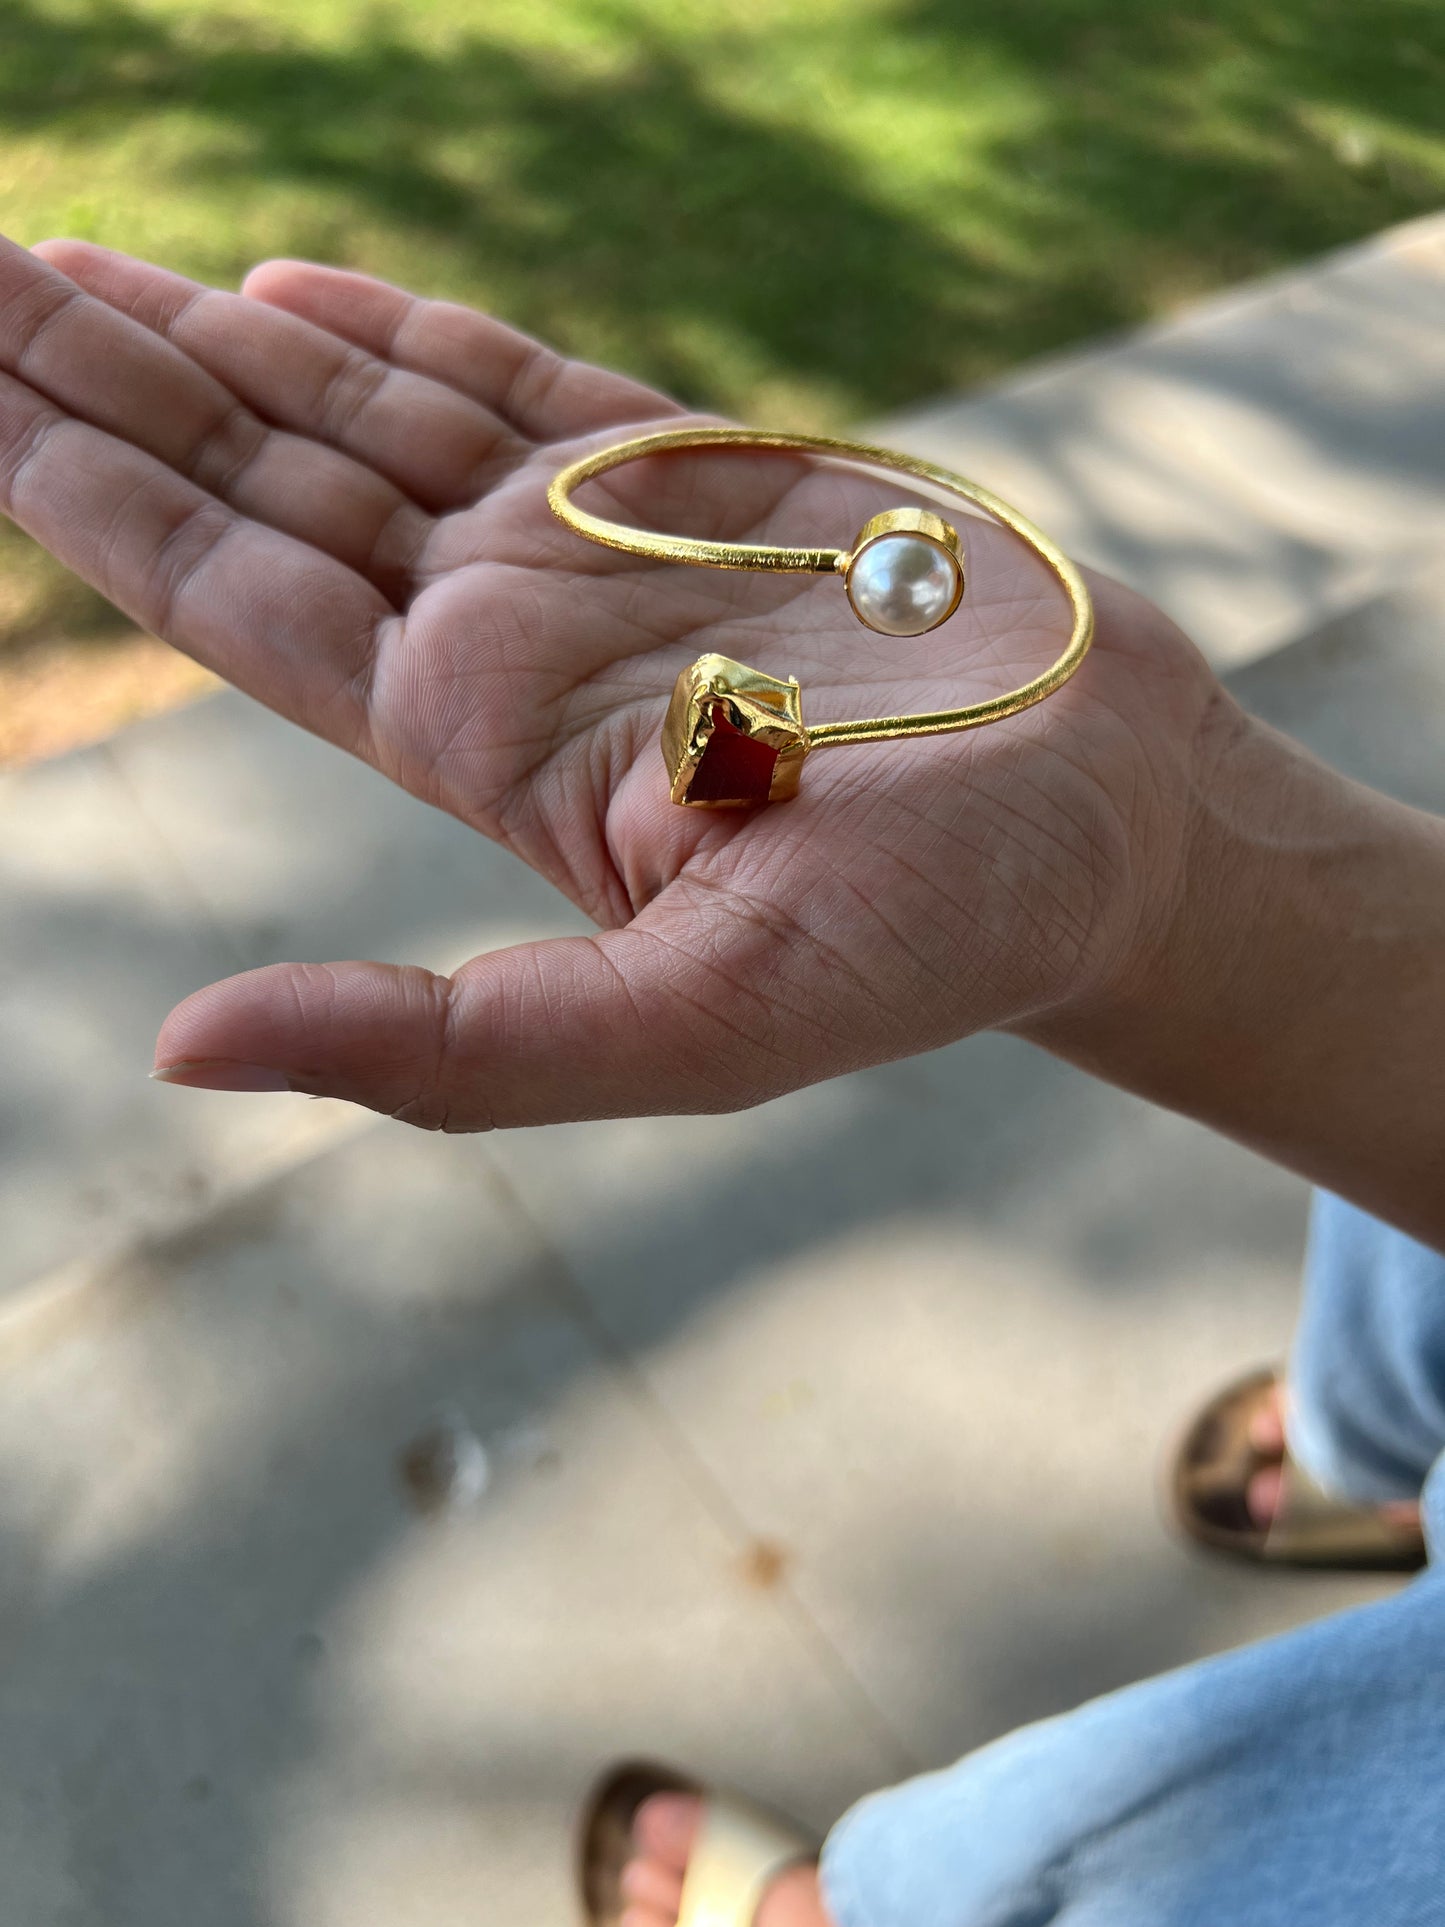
x=799 y=211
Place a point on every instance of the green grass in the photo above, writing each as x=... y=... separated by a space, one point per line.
x=799 y=211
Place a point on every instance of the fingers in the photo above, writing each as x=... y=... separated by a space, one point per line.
x=535 y=391
x=528 y=386
x=294 y=627
x=96 y=361
x=618 y=1025
x=95 y=364
x=429 y=440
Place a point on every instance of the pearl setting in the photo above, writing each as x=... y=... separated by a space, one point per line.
x=905 y=574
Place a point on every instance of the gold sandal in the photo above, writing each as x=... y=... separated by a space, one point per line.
x=738 y=1850
x=1212 y=1471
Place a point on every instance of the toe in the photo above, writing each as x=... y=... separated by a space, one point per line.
x=665 y=1828
x=1402 y=1512
x=1266 y=1426
x=636 y=1915
x=794 y=1899
x=651 y=1883
x=1265 y=1491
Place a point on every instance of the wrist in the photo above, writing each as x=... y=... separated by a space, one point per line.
x=1290 y=988
x=1194 y=916
x=1163 y=929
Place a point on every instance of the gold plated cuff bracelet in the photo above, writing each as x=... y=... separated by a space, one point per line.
x=734 y=737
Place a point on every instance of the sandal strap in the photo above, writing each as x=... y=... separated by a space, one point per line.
x=1312 y=1523
x=738 y=1850
x=1212 y=1469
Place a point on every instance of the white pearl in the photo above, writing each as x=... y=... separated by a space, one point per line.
x=902 y=585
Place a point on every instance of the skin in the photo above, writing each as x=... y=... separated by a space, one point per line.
x=356 y=533
x=334 y=494
x=667 y=1824
x=1267 y=1488
x=652 y=1882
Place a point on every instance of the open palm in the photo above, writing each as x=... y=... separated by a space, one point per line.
x=334 y=494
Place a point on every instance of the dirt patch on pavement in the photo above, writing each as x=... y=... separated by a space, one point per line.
x=57 y=695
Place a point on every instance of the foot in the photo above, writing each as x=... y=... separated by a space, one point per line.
x=663 y=1833
x=1266 y=1488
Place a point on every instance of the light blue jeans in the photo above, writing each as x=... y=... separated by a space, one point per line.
x=1296 y=1783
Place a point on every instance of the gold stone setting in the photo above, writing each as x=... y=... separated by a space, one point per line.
x=733 y=738
x=888 y=591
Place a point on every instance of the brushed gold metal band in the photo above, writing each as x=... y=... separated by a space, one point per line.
x=765 y=556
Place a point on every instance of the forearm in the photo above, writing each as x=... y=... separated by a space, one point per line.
x=1292 y=994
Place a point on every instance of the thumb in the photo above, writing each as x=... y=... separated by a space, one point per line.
x=618 y=1025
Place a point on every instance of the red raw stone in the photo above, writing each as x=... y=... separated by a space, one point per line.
x=734 y=769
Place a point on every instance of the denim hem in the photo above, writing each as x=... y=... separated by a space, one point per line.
x=838 y=1877
x=1312 y=1447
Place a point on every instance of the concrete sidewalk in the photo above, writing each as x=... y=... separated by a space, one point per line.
x=364 y=1492
x=1265 y=462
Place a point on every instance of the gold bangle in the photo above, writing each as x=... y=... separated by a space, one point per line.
x=735 y=737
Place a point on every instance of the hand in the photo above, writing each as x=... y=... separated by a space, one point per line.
x=334 y=494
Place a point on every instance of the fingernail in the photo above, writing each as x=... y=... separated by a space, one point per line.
x=218 y=1074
